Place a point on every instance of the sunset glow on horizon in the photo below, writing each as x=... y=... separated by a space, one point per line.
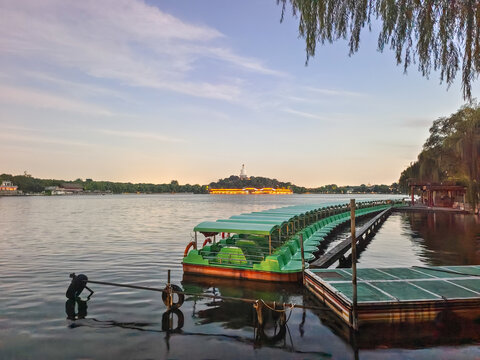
x=154 y=91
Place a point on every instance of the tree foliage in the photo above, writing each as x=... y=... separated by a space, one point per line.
x=442 y=35
x=29 y=184
x=234 y=182
x=451 y=153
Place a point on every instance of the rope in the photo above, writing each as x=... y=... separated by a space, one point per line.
x=284 y=310
x=251 y=301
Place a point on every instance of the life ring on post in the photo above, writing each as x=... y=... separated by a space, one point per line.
x=207 y=241
x=190 y=244
x=167 y=296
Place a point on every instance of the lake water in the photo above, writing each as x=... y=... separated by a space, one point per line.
x=135 y=239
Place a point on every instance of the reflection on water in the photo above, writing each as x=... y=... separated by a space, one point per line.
x=136 y=239
x=415 y=239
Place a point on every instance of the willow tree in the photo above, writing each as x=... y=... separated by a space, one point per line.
x=442 y=35
x=451 y=153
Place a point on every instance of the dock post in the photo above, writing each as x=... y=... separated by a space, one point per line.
x=354 y=264
x=303 y=258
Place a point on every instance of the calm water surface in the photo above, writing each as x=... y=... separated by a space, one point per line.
x=136 y=238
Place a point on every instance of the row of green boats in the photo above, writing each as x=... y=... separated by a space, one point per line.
x=265 y=245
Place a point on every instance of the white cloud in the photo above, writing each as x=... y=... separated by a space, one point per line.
x=128 y=41
x=44 y=100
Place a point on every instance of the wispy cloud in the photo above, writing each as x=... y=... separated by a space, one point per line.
x=305 y=114
x=140 y=135
x=423 y=123
x=128 y=41
x=45 y=100
x=243 y=62
x=73 y=87
x=332 y=92
x=14 y=137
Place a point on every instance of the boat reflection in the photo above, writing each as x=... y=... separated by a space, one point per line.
x=268 y=327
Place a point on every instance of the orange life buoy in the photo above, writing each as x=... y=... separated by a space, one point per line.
x=207 y=241
x=190 y=244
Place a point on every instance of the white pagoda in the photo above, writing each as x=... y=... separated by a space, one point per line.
x=243 y=173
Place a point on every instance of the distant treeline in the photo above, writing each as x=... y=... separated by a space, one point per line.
x=234 y=182
x=29 y=184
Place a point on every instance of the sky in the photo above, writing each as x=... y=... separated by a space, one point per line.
x=151 y=91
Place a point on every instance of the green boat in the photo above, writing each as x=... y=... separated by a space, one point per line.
x=265 y=245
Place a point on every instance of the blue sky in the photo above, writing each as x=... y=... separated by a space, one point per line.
x=128 y=90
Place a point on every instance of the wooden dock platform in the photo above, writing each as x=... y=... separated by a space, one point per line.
x=396 y=295
x=363 y=234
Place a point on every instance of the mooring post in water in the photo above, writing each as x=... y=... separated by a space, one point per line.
x=169 y=293
x=354 y=264
x=303 y=258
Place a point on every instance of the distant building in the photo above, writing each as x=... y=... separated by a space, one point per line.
x=243 y=173
x=251 y=191
x=7 y=188
x=439 y=194
x=65 y=189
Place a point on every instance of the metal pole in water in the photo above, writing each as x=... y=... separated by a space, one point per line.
x=354 y=264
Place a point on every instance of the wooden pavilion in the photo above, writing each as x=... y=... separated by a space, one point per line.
x=439 y=194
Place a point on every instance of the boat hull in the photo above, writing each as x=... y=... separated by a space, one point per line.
x=243 y=274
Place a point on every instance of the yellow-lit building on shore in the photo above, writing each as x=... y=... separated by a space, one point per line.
x=7 y=188
x=251 y=191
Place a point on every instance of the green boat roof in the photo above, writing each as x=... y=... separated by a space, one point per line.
x=264 y=220
x=263 y=217
x=268 y=214
x=235 y=227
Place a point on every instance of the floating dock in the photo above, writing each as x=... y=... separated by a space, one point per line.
x=398 y=294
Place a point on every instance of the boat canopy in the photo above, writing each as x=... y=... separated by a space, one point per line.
x=270 y=214
x=255 y=221
x=261 y=217
x=261 y=222
x=235 y=227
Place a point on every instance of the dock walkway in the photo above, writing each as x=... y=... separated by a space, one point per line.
x=337 y=252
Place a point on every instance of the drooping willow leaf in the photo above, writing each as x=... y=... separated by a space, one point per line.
x=442 y=35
